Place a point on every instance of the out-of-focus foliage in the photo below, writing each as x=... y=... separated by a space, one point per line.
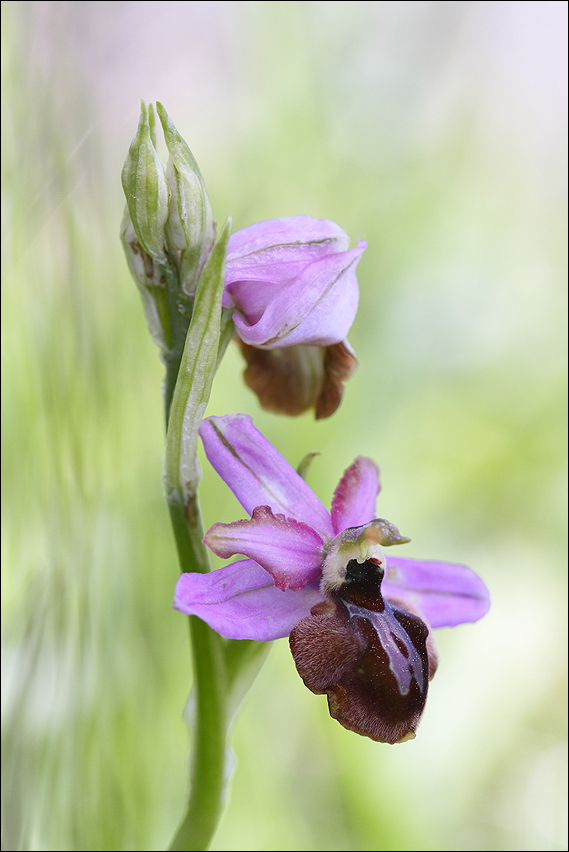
x=435 y=131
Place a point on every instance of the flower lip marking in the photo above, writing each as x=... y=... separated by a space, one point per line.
x=362 y=597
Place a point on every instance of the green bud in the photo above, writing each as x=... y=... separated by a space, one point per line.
x=146 y=189
x=190 y=228
x=149 y=277
x=152 y=125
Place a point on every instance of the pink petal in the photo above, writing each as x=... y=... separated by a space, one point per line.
x=257 y=474
x=316 y=309
x=445 y=594
x=240 y=601
x=279 y=249
x=353 y=504
x=290 y=551
x=251 y=297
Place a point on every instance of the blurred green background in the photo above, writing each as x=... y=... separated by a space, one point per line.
x=437 y=132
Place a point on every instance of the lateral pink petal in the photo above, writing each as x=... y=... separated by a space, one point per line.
x=251 y=296
x=257 y=474
x=289 y=550
x=240 y=601
x=444 y=593
x=316 y=309
x=355 y=496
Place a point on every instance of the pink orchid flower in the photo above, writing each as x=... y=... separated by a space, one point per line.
x=359 y=621
x=292 y=283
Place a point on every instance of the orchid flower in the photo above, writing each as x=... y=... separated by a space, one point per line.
x=292 y=285
x=359 y=621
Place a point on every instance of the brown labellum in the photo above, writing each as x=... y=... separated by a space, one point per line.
x=339 y=365
x=370 y=656
x=293 y=379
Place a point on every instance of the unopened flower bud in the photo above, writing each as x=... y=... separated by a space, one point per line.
x=190 y=228
x=151 y=285
x=146 y=190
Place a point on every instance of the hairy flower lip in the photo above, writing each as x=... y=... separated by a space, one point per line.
x=370 y=657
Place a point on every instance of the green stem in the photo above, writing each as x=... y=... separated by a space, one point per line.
x=188 y=534
x=189 y=373
x=208 y=771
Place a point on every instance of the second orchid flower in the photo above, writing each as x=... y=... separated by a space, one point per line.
x=292 y=285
